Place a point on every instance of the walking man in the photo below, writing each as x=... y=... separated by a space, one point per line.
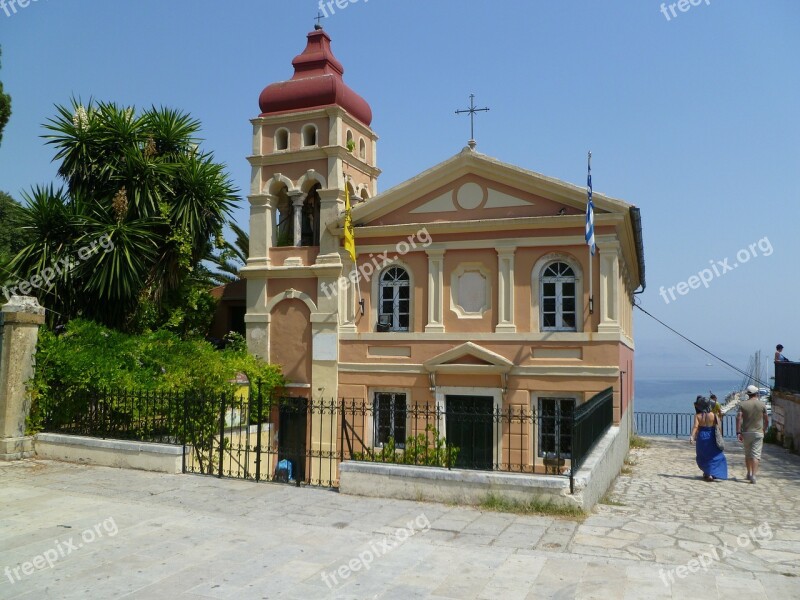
x=751 y=423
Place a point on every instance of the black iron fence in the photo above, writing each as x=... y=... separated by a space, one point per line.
x=265 y=437
x=787 y=377
x=676 y=424
x=139 y=415
x=592 y=419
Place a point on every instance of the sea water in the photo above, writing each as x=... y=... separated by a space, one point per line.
x=676 y=395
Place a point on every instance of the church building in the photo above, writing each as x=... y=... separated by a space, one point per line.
x=471 y=285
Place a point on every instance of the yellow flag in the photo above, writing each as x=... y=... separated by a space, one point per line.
x=349 y=232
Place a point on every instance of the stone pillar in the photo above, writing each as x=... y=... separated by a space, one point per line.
x=297 y=198
x=19 y=326
x=435 y=291
x=505 y=291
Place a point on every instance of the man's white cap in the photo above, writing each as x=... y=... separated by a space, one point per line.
x=752 y=390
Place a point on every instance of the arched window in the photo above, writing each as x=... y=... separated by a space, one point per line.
x=394 y=300
x=282 y=139
x=351 y=144
x=284 y=222
x=362 y=149
x=557 y=302
x=310 y=221
x=309 y=135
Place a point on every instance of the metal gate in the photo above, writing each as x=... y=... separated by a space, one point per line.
x=259 y=438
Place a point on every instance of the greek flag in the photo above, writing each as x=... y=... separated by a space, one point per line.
x=590 y=211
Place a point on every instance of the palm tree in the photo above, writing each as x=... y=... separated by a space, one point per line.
x=230 y=260
x=142 y=184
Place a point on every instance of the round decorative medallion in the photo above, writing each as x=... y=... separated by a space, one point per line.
x=469 y=196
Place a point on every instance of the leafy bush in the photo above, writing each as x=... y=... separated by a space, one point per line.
x=89 y=359
x=426 y=449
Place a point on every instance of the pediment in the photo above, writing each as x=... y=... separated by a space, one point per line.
x=468 y=356
x=470 y=196
x=472 y=187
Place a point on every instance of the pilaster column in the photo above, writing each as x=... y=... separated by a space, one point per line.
x=257 y=318
x=19 y=327
x=435 y=291
x=325 y=390
x=331 y=206
x=505 y=291
x=297 y=197
x=347 y=295
x=609 y=288
x=262 y=228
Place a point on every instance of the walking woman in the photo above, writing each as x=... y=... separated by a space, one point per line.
x=710 y=459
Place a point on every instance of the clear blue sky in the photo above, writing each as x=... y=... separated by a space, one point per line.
x=694 y=119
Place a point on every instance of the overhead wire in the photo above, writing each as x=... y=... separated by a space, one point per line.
x=754 y=377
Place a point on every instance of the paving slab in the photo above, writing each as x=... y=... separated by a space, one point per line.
x=134 y=535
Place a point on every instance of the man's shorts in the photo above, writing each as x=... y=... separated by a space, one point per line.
x=753 y=441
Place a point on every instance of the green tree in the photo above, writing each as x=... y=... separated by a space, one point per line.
x=5 y=108
x=230 y=258
x=10 y=240
x=140 y=206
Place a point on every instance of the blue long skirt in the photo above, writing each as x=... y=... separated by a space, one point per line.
x=710 y=459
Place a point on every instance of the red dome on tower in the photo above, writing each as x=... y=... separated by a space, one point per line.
x=317 y=82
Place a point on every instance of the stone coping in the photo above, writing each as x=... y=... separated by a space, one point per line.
x=463 y=476
x=109 y=444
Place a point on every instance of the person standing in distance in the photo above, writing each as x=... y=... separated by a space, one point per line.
x=779 y=357
x=751 y=423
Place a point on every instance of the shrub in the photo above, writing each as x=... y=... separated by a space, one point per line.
x=428 y=449
x=89 y=359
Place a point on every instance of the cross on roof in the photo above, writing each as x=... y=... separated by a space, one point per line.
x=471 y=111
x=318 y=19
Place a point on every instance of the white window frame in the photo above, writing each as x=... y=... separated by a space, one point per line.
x=536 y=399
x=538 y=289
x=370 y=428
x=377 y=291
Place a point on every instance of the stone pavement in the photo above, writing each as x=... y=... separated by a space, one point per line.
x=110 y=534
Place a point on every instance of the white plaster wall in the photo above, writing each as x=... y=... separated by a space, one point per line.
x=161 y=458
x=604 y=463
x=443 y=485
x=473 y=487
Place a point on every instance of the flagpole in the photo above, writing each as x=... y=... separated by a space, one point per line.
x=590 y=244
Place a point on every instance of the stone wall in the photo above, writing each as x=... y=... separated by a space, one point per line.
x=786 y=416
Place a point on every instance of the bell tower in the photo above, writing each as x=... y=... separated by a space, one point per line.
x=312 y=131
x=311 y=139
